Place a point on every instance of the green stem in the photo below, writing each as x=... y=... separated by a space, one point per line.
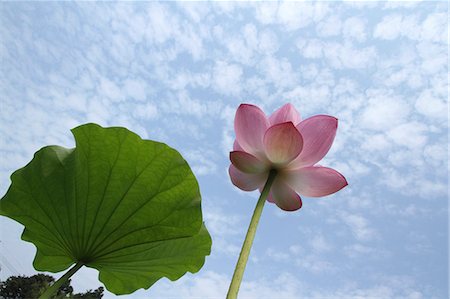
x=246 y=247
x=55 y=287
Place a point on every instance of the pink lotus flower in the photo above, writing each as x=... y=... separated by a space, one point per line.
x=291 y=147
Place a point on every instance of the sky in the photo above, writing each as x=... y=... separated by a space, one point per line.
x=176 y=72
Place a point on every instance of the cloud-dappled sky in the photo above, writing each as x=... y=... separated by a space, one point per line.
x=176 y=72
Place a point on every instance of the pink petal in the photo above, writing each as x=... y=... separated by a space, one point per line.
x=285 y=198
x=269 y=197
x=246 y=181
x=284 y=114
x=315 y=181
x=282 y=143
x=250 y=125
x=237 y=147
x=318 y=134
x=247 y=163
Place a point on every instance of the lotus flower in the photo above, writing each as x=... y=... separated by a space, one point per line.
x=291 y=147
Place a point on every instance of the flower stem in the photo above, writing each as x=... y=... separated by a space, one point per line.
x=246 y=247
x=51 y=291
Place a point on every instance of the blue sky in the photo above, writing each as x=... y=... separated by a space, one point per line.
x=176 y=72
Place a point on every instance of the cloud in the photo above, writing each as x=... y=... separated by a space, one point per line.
x=383 y=111
x=295 y=15
x=330 y=26
x=311 y=49
x=135 y=89
x=359 y=226
x=266 y=12
x=110 y=90
x=436 y=154
x=432 y=28
x=227 y=78
x=396 y=25
x=223 y=229
x=318 y=243
x=354 y=28
x=338 y=55
x=346 y=55
x=268 y=42
x=278 y=72
x=435 y=27
x=277 y=255
x=211 y=285
x=145 y=111
x=291 y=15
x=411 y=134
x=195 y=10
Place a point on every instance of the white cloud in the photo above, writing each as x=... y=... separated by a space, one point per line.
x=181 y=103
x=376 y=143
x=77 y=102
x=383 y=111
x=330 y=26
x=414 y=183
x=268 y=42
x=213 y=285
x=250 y=34
x=197 y=11
x=395 y=25
x=278 y=71
x=312 y=98
x=338 y=55
x=145 y=111
x=436 y=154
x=354 y=28
x=110 y=90
x=222 y=227
x=184 y=79
x=433 y=28
x=346 y=55
x=201 y=161
x=354 y=169
x=359 y=226
x=266 y=12
x=389 y=27
x=356 y=250
x=411 y=134
x=291 y=15
x=227 y=78
x=318 y=243
x=396 y=4
x=295 y=15
x=434 y=57
x=277 y=255
x=311 y=48
x=162 y=24
x=295 y=249
x=190 y=41
x=407 y=74
x=135 y=88
x=315 y=265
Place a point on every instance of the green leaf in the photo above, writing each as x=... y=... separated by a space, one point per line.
x=125 y=206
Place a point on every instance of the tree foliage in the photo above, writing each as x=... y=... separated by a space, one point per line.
x=24 y=287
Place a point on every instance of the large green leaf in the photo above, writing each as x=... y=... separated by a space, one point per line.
x=125 y=206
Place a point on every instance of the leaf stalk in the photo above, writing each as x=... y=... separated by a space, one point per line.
x=246 y=247
x=55 y=287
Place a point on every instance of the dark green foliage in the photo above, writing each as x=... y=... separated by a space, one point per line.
x=23 y=287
